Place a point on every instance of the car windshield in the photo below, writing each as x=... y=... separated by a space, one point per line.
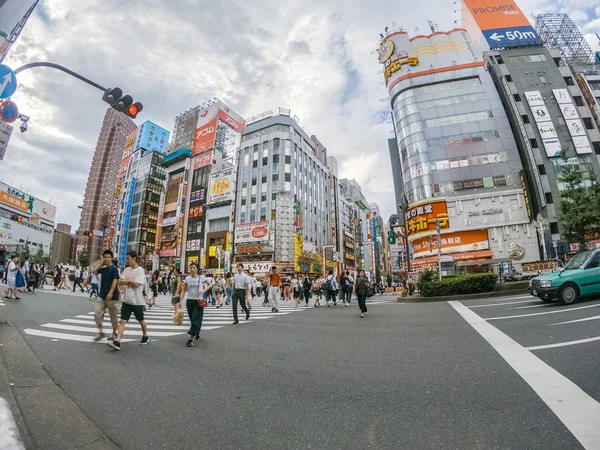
x=577 y=261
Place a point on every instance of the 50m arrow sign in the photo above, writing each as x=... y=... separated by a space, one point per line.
x=8 y=82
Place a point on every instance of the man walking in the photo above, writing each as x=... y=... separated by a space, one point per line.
x=77 y=280
x=133 y=279
x=347 y=282
x=274 y=288
x=109 y=294
x=241 y=290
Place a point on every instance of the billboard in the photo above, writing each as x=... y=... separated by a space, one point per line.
x=206 y=128
x=221 y=188
x=151 y=137
x=462 y=241
x=126 y=220
x=25 y=204
x=421 y=218
x=251 y=232
x=404 y=57
x=203 y=160
x=128 y=152
x=501 y=22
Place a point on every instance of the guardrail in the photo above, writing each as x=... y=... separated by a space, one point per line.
x=9 y=434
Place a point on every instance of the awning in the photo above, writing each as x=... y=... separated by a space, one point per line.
x=480 y=257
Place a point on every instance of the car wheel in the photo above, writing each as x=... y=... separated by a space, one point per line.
x=568 y=294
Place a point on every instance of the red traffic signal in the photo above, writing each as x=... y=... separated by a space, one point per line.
x=134 y=110
x=123 y=103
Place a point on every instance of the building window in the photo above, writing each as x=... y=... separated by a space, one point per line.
x=264 y=178
x=274 y=196
x=244 y=184
x=254 y=164
x=218 y=225
x=533 y=143
x=288 y=176
x=596 y=146
x=243 y=217
x=517 y=97
x=542 y=169
x=275 y=177
x=263 y=197
x=578 y=100
x=253 y=199
x=265 y=160
x=588 y=123
x=508 y=77
x=554 y=227
x=525 y=118
x=253 y=181
x=569 y=81
x=276 y=159
x=243 y=202
x=253 y=216
x=549 y=198
x=499 y=59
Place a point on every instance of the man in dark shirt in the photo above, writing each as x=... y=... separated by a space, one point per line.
x=109 y=294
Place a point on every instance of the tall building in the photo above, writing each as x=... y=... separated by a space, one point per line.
x=397 y=175
x=459 y=160
x=61 y=248
x=64 y=227
x=282 y=192
x=25 y=221
x=102 y=181
x=195 y=218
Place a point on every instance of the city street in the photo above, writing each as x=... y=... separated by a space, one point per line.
x=406 y=376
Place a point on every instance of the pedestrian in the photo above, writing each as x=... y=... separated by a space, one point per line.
x=295 y=283
x=306 y=288
x=32 y=277
x=95 y=281
x=330 y=289
x=77 y=279
x=154 y=287
x=133 y=280
x=317 y=290
x=25 y=269
x=57 y=277
x=361 y=288
x=242 y=283
x=176 y=295
x=108 y=297
x=287 y=288
x=228 y=287
x=347 y=282
x=86 y=280
x=194 y=284
x=218 y=290
x=274 y=288
x=11 y=278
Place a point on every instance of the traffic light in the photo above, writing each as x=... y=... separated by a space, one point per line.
x=392 y=237
x=16 y=218
x=88 y=234
x=123 y=103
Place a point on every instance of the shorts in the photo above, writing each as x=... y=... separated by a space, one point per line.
x=12 y=283
x=175 y=299
x=137 y=310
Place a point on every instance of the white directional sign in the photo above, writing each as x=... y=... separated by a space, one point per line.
x=5 y=132
x=8 y=81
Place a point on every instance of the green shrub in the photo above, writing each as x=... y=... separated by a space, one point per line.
x=425 y=277
x=464 y=284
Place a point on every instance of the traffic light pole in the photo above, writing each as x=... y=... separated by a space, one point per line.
x=61 y=68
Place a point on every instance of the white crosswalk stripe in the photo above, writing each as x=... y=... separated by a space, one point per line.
x=1 y=301
x=82 y=328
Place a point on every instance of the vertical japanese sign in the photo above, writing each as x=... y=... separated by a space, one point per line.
x=181 y=206
x=126 y=220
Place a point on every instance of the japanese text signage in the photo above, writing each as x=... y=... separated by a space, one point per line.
x=526 y=194
x=151 y=137
x=462 y=241
x=421 y=218
x=221 y=187
x=251 y=232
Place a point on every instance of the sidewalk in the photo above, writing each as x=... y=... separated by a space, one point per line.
x=45 y=415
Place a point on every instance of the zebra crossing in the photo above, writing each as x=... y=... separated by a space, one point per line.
x=2 y=301
x=159 y=318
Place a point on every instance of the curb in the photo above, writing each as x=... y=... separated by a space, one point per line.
x=493 y=294
x=9 y=434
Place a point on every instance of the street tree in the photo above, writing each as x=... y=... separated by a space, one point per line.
x=25 y=253
x=83 y=257
x=580 y=206
x=39 y=256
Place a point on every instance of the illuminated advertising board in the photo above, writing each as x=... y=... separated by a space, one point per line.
x=151 y=137
x=420 y=218
x=206 y=128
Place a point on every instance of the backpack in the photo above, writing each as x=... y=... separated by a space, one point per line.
x=329 y=284
x=347 y=281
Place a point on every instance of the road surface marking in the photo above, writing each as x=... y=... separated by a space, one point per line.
x=567 y=400
x=502 y=304
x=564 y=344
x=578 y=320
x=66 y=336
x=534 y=306
x=542 y=313
x=134 y=332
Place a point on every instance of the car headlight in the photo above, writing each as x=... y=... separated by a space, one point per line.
x=546 y=283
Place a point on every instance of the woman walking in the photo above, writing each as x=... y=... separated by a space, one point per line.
x=317 y=291
x=11 y=279
x=176 y=294
x=194 y=286
x=296 y=289
x=287 y=291
x=219 y=290
x=361 y=287
x=306 y=286
x=228 y=287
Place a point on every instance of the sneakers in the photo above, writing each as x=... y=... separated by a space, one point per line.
x=114 y=345
x=247 y=315
x=235 y=323
x=272 y=309
x=275 y=310
x=189 y=343
x=112 y=337
x=99 y=337
x=144 y=340
x=362 y=315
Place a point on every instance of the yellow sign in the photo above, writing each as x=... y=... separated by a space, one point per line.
x=212 y=250
x=220 y=187
x=227 y=241
x=395 y=63
x=14 y=201
x=386 y=49
x=297 y=250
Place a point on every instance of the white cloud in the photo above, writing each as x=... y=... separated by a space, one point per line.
x=578 y=15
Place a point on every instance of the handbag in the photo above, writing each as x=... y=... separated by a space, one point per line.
x=19 y=279
x=202 y=303
x=370 y=292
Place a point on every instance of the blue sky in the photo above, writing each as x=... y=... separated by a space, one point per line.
x=311 y=56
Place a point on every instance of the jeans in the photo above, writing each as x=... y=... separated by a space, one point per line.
x=362 y=302
x=228 y=292
x=266 y=295
x=94 y=290
x=239 y=294
x=195 y=313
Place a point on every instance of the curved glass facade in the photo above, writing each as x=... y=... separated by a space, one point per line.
x=453 y=135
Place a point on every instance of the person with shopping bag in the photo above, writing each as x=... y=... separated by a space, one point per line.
x=194 y=285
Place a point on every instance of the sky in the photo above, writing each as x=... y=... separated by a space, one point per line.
x=313 y=57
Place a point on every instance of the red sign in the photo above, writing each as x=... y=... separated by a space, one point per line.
x=166 y=252
x=203 y=160
x=196 y=211
x=204 y=139
x=248 y=249
x=259 y=232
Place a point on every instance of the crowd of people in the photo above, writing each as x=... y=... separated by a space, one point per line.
x=22 y=276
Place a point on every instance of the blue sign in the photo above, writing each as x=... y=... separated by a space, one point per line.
x=511 y=37
x=151 y=137
x=126 y=220
x=8 y=82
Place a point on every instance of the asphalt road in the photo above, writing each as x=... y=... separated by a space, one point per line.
x=409 y=376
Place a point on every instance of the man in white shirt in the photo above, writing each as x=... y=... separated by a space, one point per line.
x=133 y=279
x=241 y=288
x=77 y=281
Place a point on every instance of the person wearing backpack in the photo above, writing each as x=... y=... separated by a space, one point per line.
x=330 y=289
x=361 y=289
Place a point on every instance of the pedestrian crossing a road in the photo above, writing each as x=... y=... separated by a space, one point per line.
x=82 y=328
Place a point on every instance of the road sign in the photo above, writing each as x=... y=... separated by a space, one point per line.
x=511 y=37
x=437 y=225
x=8 y=81
x=5 y=132
x=9 y=111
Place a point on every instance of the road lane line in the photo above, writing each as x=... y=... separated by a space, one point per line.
x=503 y=304
x=67 y=336
x=579 y=412
x=542 y=313
x=59 y=326
x=578 y=320
x=533 y=306
x=564 y=344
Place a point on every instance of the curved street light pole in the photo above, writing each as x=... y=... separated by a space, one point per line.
x=62 y=69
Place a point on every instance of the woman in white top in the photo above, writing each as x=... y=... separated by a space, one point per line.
x=194 y=286
x=296 y=289
x=11 y=279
